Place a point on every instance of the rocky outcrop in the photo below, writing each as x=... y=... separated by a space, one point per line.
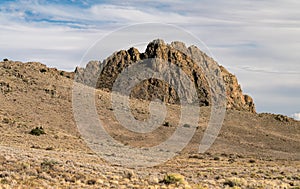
x=173 y=60
x=88 y=74
x=235 y=98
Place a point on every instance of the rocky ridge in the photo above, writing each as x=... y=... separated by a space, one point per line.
x=201 y=70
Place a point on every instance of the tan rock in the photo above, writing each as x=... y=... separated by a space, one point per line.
x=201 y=71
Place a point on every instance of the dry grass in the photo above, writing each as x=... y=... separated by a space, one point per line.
x=252 y=151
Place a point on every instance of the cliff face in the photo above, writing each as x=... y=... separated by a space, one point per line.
x=195 y=64
x=235 y=97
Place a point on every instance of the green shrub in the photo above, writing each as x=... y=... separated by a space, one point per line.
x=234 y=182
x=296 y=187
x=37 y=131
x=49 y=148
x=167 y=124
x=173 y=178
x=48 y=164
x=43 y=70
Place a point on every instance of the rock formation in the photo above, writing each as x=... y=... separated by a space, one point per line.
x=202 y=72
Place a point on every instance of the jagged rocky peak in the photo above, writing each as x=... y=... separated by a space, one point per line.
x=200 y=69
x=88 y=75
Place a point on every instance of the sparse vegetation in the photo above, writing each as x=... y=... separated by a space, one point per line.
x=43 y=70
x=5 y=87
x=49 y=148
x=295 y=187
x=37 y=131
x=48 y=164
x=173 y=178
x=282 y=118
x=73 y=164
x=232 y=182
x=167 y=124
x=199 y=186
x=91 y=182
x=5 y=120
x=251 y=161
x=4 y=181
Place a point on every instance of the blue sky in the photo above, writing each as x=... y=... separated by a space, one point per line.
x=259 y=41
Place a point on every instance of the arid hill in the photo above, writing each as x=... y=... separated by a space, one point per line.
x=40 y=145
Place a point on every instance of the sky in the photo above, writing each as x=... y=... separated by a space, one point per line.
x=258 y=41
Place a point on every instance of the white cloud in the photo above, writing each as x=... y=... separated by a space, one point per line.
x=257 y=40
x=296 y=116
x=131 y=14
x=56 y=46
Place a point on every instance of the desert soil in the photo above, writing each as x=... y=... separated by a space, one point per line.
x=251 y=151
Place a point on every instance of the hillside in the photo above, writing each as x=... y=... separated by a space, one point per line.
x=252 y=150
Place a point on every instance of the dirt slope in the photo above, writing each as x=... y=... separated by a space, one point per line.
x=252 y=150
